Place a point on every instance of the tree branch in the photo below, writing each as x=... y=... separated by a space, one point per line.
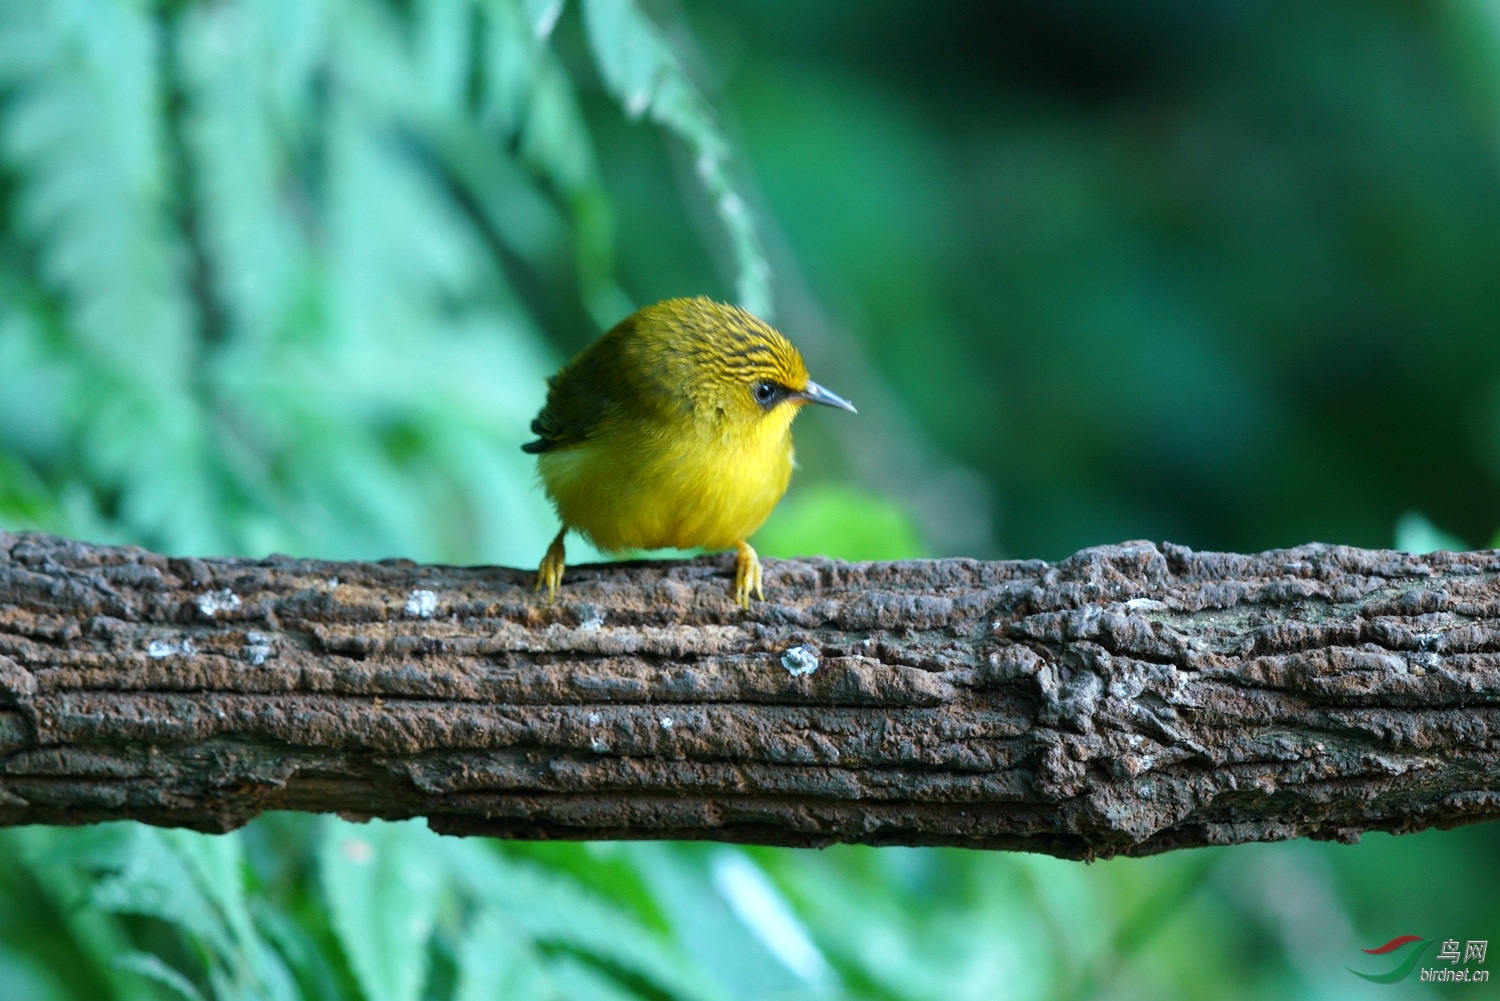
x=1127 y=700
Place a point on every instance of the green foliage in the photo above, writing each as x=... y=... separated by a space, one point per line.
x=388 y=912
x=267 y=286
x=192 y=887
x=1205 y=272
x=842 y=522
x=24 y=501
x=383 y=894
x=399 y=895
x=642 y=72
x=1415 y=534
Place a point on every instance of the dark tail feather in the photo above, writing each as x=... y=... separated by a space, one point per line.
x=546 y=436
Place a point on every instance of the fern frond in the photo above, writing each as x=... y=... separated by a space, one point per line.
x=645 y=76
x=82 y=132
x=244 y=186
x=528 y=100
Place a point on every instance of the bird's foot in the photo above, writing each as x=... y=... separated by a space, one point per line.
x=550 y=573
x=746 y=574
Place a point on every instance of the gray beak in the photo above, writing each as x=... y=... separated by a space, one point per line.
x=815 y=393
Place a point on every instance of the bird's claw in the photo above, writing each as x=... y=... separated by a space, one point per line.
x=747 y=575
x=550 y=573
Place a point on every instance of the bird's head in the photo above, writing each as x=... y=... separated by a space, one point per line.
x=729 y=365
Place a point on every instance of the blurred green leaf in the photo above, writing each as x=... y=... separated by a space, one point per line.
x=644 y=74
x=1415 y=534
x=495 y=960
x=152 y=968
x=686 y=884
x=137 y=871
x=579 y=981
x=303 y=953
x=27 y=979
x=24 y=501
x=543 y=15
x=383 y=893
x=562 y=917
x=192 y=882
x=824 y=519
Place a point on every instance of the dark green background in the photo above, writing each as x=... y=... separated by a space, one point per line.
x=1218 y=273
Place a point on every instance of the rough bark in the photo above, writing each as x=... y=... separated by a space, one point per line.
x=1128 y=700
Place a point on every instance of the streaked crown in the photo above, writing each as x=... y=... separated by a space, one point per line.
x=707 y=340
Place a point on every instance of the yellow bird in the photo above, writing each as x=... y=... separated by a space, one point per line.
x=673 y=430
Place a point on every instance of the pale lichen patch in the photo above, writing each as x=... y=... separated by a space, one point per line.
x=211 y=603
x=420 y=604
x=161 y=649
x=801 y=659
x=257 y=648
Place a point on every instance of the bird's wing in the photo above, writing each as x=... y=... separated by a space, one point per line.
x=580 y=398
x=549 y=434
x=562 y=421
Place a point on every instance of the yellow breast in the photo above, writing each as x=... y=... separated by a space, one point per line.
x=647 y=486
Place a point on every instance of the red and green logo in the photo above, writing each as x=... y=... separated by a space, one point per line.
x=1402 y=970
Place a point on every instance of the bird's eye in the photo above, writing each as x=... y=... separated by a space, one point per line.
x=765 y=392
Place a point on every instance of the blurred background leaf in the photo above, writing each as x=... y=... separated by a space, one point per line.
x=288 y=275
x=833 y=519
x=1415 y=534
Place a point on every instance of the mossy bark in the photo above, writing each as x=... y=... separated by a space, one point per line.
x=1128 y=700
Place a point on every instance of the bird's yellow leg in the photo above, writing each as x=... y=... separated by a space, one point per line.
x=746 y=574
x=549 y=574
